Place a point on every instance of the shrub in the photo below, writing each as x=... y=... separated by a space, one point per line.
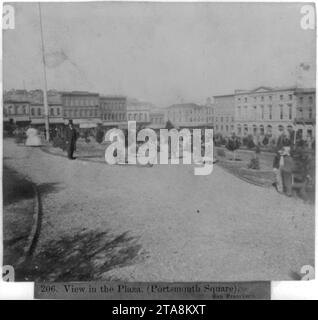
x=20 y=137
x=254 y=164
x=250 y=143
x=59 y=142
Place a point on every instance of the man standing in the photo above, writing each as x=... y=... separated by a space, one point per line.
x=70 y=139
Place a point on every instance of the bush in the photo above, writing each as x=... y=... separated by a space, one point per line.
x=220 y=153
x=254 y=164
x=250 y=144
x=59 y=142
x=20 y=137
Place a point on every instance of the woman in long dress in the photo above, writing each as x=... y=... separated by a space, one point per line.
x=33 y=138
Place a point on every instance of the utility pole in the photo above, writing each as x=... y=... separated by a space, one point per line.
x=46 y=108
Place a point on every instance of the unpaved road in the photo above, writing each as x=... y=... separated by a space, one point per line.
x=161 y=223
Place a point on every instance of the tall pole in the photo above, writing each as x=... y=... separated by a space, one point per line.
x=46 y=108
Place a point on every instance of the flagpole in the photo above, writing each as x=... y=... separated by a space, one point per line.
x=45 y=102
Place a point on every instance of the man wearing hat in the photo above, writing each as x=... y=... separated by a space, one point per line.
x=70 y=139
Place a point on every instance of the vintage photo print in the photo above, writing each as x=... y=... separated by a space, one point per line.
x=157 y=141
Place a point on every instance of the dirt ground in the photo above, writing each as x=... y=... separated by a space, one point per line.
x=161 y=223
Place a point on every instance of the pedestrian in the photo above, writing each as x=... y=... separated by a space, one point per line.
x=278 y=184
x=33 y=138
x=70 y=139
x=287 y=167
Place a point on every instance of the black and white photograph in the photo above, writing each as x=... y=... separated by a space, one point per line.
x=159 y=141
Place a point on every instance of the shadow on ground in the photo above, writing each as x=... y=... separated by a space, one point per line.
x=81 y=257
x=15 y=187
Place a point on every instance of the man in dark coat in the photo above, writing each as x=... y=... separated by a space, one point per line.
x=70 y=139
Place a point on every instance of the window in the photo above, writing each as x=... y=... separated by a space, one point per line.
x=310 y=99
x=270 y=98
x=245 y=99
x=254 y=130
x=32 y=112
x=309 y=133
x=270 y=112
x=52 y=112
x=281 y=112
x=301 y=100
x=58 y=111
x=300 y=112
x=239 y=112
x=281 y=97
x=262 y=112
x=262 y=98
x=290 y=97
x=39 y=111
x=24 y=109
x=310 y=113
x=290 y=111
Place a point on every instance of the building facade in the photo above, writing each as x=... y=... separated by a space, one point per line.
x=113 y=110
x=268 y=111
x=224 y=114
x=189 y=115
x=82 y=107
x=157 y=119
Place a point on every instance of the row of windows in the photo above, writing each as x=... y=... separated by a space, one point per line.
x=81 y=113
x=310 y=100
x=17 y=109
x=138 y=116
x=81 y=102
x=262 y=98
x=157 y=120
x=33 y=112
x=224 y=119
x=114 y=105
x=259 y=112
x=114 y=116
x=225 y=128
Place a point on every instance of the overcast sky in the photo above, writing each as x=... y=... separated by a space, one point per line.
x=163 y=53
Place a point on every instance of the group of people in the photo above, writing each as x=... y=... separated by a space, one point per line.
x=33 y=138
x=293 y=165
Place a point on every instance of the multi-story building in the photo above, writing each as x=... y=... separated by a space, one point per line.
x=189 y=115
x=22 y=107
x=82 y=107
x=224 y=114
x=113 y=110
x=139 y=111
x=55 y=107
x=271 y=111
x=305 y=119
x=16 y=111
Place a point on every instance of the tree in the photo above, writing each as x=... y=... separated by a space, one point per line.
x=169 y=125
x=233 y=144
